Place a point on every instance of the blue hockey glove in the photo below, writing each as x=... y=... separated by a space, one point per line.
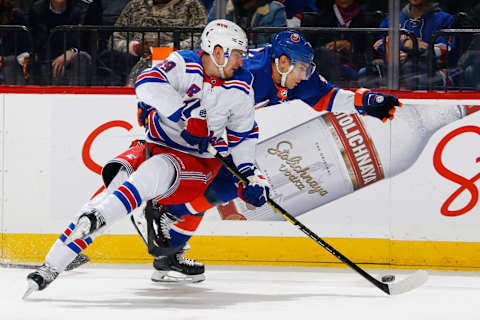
x=257 y=190
x=375 y=104
x=196 y=131
x=143 y=110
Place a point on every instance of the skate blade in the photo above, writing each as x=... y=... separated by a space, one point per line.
x=32 y=286
x=178 y=278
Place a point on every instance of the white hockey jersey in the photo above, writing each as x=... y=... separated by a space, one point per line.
x=178 y=86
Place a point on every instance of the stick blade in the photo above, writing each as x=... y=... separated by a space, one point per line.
x=414 y=281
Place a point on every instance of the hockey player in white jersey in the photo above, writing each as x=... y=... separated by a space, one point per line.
x=283 y=71
x=190 y=100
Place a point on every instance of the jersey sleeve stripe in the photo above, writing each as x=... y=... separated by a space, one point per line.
x=194 y=68
x=326 y=102
x=235 y=87
x=235 y=138
x=245 y=166
x=243 y=134
x=150 y=75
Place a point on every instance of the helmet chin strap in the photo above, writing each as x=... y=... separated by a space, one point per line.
x=220 y=67
x=283 y=74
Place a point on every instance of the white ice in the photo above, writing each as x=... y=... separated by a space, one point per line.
x=238 y=292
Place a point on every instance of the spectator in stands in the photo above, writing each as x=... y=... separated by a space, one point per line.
x=208 y=4
x=340 y=55
x=14 y=46
x=295 y=10
x=112 y=9
x=469 y=61
x=248 y=14
x=424 y=18
x=60 y=62
x=134 y=47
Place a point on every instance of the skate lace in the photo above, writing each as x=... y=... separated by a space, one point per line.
x=185 y=261
x=166 y=222
x=48 y=273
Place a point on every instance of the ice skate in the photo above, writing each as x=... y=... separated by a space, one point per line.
x=177 y=269
x=79 y=260
x=88 y=223
x=40 y=279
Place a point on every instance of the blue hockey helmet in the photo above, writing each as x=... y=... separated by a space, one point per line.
x=293 y=45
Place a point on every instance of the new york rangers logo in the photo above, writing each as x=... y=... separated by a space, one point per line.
x=295 y=37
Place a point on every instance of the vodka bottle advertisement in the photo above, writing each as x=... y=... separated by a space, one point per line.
x=335 y=154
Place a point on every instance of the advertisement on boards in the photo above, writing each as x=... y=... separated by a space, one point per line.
x=348 y=176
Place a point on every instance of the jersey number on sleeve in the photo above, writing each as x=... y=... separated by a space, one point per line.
x=167 y=65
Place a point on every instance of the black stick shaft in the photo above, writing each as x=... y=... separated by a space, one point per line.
x=382 y=286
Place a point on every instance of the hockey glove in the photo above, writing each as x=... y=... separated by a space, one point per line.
x=143 y=110
x=196 y=131
x=257 y=190
x=375 y=104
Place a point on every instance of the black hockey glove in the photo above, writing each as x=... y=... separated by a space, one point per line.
x=376 y=104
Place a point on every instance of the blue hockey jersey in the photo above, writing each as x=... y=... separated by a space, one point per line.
x=316 y=91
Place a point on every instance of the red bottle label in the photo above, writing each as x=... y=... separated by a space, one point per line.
x=357 y=148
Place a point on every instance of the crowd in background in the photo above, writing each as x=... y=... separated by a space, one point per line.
x=350 y=59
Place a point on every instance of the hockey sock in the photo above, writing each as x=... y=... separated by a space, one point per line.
x=184 y=229
x=61 y=253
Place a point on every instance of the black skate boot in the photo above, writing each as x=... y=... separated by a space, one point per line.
x=178 y=269
x=87 y=224
x=40 y=279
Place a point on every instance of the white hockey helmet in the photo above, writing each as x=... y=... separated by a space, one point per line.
x=226 y=34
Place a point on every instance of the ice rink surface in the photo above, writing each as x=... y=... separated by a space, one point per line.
x=238 y=292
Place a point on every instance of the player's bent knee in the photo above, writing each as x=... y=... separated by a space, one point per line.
x=154 y=176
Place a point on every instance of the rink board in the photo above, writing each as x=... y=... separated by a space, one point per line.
x=54 y=141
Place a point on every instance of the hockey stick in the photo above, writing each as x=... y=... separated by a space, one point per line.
x=413 y=281
x=79 y=260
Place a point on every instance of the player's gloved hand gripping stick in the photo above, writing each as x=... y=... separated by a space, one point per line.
x=376 y=104
x=413 y=281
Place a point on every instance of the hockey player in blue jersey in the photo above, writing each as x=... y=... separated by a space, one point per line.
x=282 y=71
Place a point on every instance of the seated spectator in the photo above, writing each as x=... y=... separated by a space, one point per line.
x=14 y=46
x=469 y=61
x=132 y=47
x=340 y=55
x=52 y=63
x=208 y=4
x=111 y=10
x=295 y=10
x=249 y=14
x=424 y=18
